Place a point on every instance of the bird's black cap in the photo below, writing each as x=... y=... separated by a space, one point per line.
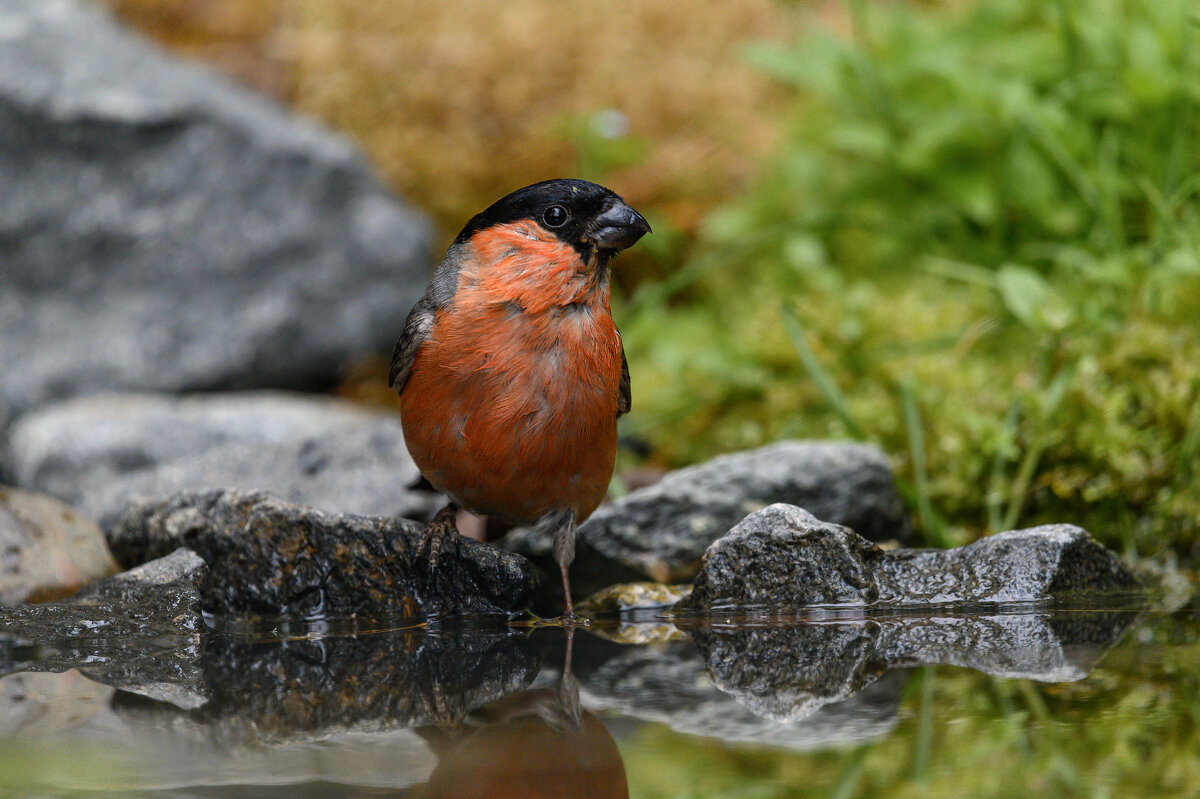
x=584 y=214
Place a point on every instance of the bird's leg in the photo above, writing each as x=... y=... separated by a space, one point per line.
x=441 y=527
x=564 y=553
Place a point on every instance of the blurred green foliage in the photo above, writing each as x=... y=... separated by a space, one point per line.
x=978 y=246
x=1130 y=728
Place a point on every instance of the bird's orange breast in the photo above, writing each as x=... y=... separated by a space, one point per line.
x=511 y=405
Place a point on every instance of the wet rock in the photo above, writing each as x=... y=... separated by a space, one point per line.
x=1053 y=561
x=140 y=613
x=106 y=452
x=269 y=557
x=163 y=229
x=782 y=558
x=47 y=549
x=661 y=532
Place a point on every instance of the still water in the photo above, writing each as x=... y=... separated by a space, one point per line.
x=1001 y=701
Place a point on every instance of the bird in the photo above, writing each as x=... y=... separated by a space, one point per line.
x=510 y=369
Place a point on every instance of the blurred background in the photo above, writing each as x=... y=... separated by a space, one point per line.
x=968 y=231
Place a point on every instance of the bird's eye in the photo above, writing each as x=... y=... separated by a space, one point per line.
x=555 y=216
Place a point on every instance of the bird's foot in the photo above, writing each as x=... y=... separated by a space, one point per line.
x=435 y=535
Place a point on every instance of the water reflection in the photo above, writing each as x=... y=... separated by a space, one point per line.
x=503 y=712
x=534 y=743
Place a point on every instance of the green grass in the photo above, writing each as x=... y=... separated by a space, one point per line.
x=978 y=245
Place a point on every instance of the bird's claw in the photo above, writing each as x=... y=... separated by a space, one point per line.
x=434 y=536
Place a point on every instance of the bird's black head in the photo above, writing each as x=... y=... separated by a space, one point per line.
x=588 y=216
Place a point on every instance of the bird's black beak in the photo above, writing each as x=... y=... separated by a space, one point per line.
x=618 y=228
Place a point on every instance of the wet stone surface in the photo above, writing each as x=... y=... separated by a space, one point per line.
x=269 y=557
x=782 y=558
x=1053 y=561
x=139 y=629
x=661 y=532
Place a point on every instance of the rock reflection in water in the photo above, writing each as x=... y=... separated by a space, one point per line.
x=813 y=684
x=469 y=715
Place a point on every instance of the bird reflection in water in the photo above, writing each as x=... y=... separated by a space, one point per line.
x=533 y=744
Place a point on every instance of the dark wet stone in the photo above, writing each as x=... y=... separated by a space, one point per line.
x=106 y=452
x=661 y=532
x=269 y=557
x=138 y=629
x=782 y=558
x=47 y=549
x=163 y=229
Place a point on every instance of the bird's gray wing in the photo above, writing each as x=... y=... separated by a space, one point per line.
x=416 y=330
x=624 y=397
x=438 y=294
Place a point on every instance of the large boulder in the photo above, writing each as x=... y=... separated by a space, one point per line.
x=162 y=229
x=48 y=550
x=783 y=558
x=103 y=453
x=269 y=557
x=660 y=532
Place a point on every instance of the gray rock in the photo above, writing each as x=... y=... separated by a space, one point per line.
x=661 y=532
x=157 y=604
x=782 y=558
x=269 y=557
x=1053 y=561
x=103 y=453
x=47 y=549
x=163 y=229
